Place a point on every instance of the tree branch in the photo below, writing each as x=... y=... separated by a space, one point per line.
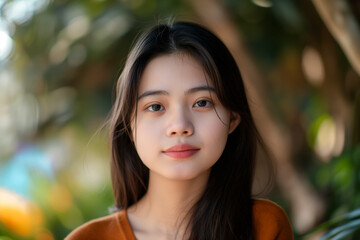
x=343 y=26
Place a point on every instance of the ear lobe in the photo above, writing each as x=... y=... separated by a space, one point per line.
x=131 y=137
x=235 y=120
x=131 y=134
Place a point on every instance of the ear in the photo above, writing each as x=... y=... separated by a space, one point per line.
x=235 y=120
x=131 y=137
x=131 y=134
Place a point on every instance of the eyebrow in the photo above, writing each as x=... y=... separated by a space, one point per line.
x=187 y=92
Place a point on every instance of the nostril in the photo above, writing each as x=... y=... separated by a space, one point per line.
x=180 y=131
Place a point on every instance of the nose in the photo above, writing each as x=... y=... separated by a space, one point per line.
x=180 y=124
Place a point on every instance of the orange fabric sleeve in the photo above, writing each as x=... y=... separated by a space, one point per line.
x=270 y=221
x=113 y=227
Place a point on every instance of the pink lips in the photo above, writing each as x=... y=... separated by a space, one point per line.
x=181 y=151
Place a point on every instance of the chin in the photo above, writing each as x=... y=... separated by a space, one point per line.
x=185 y=175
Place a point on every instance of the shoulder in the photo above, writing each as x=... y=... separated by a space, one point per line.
x=270 y=221
x=109 y=228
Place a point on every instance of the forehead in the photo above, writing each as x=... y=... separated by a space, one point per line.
x=173 y=71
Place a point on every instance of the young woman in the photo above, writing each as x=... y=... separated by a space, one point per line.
x=183 y=146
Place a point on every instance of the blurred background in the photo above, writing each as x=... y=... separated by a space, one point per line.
x=59 y=60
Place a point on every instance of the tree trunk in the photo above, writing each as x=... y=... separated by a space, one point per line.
x=342 y=24
x=306 y=205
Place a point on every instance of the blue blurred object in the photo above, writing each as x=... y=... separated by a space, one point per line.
x=16 y=174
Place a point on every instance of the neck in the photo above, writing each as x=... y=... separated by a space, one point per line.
x=166 y=204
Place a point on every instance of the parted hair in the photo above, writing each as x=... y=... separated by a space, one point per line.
x=224 y=211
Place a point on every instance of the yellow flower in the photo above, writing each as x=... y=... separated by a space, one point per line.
x=18 y=214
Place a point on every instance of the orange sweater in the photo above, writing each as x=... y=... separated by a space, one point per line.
x=270 y=223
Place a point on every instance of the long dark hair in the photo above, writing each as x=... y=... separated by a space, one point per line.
x=225 y=209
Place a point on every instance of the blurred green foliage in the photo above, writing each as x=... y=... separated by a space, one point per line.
x=342 y=227
x=339 y=181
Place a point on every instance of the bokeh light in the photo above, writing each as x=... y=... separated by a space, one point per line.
x=6 y=45
x=313 y=66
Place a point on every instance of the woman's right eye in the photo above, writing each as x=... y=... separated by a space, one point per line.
x=155 y=108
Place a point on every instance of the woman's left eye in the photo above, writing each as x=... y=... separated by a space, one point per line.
x=203 y=104
x=155 y=108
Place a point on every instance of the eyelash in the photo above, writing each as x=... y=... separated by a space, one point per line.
x=207 y=102
x=152 y=105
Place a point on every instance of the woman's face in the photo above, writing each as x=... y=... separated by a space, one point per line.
x=178 y=134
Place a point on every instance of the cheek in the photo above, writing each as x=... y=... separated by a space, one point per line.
x=215 y=132
x=217 y=136
x=145 y=134
x=213 y=129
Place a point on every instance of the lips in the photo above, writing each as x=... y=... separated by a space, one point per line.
x=181 y=151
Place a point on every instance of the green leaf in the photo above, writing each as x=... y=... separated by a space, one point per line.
x=352 y=225
x=344 y=234
x=331 y=223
